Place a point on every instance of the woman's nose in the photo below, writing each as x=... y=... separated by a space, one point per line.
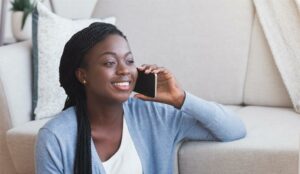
x=122 y=69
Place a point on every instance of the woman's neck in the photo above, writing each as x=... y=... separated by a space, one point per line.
x=104 y=114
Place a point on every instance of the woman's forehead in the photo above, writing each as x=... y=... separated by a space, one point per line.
x=113 y=43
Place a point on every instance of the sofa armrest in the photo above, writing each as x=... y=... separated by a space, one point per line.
x=16 y=82
x=15 y=94
x=21 y=145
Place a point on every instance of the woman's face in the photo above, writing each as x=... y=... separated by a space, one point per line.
x=109 y=72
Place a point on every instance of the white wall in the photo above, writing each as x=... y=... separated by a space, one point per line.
x=7 y=29
x=74 y=9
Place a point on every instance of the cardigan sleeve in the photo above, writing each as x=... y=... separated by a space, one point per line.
x=48 y=158
x=205 y=120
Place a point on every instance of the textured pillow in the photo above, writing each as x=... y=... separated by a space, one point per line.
x=50 y=33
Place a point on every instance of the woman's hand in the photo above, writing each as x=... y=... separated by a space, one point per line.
x=168 y=90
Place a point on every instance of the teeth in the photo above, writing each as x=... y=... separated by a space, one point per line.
x=121 y=84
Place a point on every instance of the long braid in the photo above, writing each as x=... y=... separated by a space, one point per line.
x=84 y=135
x=73 y=58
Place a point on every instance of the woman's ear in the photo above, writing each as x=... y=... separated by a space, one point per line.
x=81 y=75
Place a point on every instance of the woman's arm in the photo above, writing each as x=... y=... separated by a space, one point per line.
x=48 y=158
x=198 y=119
x=199 y=116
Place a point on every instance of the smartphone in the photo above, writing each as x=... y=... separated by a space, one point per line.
x=146 y=84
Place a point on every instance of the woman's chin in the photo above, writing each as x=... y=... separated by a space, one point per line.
x=123 y=97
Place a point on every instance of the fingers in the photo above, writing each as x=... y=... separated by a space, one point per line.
x=147 y=68
x=152 y=69
x=160 y=70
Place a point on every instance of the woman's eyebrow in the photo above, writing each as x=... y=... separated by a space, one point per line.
x=113 y=54
x=129 y=52
x=107 y=52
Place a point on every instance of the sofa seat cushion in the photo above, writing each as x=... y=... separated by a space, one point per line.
x=270 y=147
x=21 y=143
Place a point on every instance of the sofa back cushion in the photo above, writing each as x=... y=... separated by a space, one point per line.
x=263 y=85
x=204 y=43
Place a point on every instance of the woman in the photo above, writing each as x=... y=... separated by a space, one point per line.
x=103 y=130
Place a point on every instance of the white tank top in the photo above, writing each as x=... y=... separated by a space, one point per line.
x=126 y=159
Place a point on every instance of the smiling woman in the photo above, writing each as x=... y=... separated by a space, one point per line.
x=109 y=71
x=103 y=130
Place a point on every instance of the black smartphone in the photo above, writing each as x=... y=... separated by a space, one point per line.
x=146 y=84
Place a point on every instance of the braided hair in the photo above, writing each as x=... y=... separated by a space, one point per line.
x=73 y=58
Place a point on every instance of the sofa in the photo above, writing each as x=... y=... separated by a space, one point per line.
x=217 y=51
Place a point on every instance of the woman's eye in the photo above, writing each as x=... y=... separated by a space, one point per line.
x=131 y=61
x=109 y=64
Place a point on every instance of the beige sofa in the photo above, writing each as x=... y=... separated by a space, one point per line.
x=216 y=49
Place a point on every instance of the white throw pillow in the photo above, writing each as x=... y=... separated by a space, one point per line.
x=50 y=33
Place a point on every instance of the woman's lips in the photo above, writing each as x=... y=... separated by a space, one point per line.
x=123 y=86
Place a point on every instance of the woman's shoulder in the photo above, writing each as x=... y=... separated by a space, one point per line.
x=56 y=140
x=64 y=122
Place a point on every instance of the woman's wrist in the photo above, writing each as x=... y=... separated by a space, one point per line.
x=179 y=99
